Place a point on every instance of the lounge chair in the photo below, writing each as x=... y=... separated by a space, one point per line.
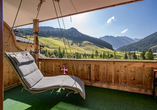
x=34 y=81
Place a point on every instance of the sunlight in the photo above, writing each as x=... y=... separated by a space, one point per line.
x=79 y=18
x=14 y=104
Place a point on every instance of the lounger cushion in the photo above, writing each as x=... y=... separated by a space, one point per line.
x=61 y=81
x=33 y=78
x=21 y=58
x=26 y=67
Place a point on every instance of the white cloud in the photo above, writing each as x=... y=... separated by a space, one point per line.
x=124 y=30
x=110 y=19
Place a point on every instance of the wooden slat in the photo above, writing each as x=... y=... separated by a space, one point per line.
x=125 y=75
x=102 y=73
x=139 y=76
x=147 y=91
x=148 y=77
x=116 y=74
x=131 y=76
x=96 y=72
x=92 y=74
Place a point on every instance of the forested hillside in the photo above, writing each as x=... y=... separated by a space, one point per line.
x=73 y=34
x=144 y=44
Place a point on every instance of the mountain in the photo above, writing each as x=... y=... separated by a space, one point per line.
x=136 y=39
x=72 y=33
x=118 y=41
x=143 y=44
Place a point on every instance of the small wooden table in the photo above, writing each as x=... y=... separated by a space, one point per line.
x=155 y=82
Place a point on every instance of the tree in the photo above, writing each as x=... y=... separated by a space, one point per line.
x=20 y=34
x=143 y=54
x=129 y=55
x=96 y=53
x=46 y=54
x=104 y=54
x=125 y=55
x=114 y=54
x=149 y=56
x=84 y=55
x=111 y=55
x=76 y=55
x=92 y=56
x=108 y=54
x=60 y=53
x=101 y=55
x=63 y=53
x=55 y=52
x=150 y=50
x=134 y=56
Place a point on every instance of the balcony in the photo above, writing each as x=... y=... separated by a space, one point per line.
x=106 y=85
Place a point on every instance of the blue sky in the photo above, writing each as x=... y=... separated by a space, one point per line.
x=135 y=20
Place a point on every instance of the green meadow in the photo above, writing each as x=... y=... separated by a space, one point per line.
x=84 y=48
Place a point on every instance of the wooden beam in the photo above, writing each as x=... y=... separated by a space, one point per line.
x=36 y=32
x=1 y=54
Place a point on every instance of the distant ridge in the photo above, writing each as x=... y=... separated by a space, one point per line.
x=118 y=41
x=73 y=34
x=143 y=44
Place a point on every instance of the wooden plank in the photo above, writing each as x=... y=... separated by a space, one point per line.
x=116 y=74
x=96 y=71
x=81 y=71
x=131 y=75
x=125 y=75
x=92 y=74
x=121 y=87
x=102 y=73
x=121 y=74
x=139 y=76
x=148 y=77
x=88 y=71
x=109 y=73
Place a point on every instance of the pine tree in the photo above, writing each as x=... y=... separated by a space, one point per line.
x=143 y=54
x=134 y=56
x=104 y=54
x=129 y=55
x=150 y=50
x=92 y=56
x=101 y=55
x=63 y=53
x=108 y=54
x=125 y=55
x=56 y=53
x=114 y=54
x=96 y=53
x=60 y=53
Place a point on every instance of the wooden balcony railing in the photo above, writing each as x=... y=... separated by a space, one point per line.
x=132 y=76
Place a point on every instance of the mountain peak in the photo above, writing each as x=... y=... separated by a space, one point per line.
x=73 y=29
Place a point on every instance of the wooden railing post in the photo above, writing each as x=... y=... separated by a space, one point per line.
x=1 y=54
x=92 y=74
x=36 y=33
x=36 y=41
x=154 y=82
